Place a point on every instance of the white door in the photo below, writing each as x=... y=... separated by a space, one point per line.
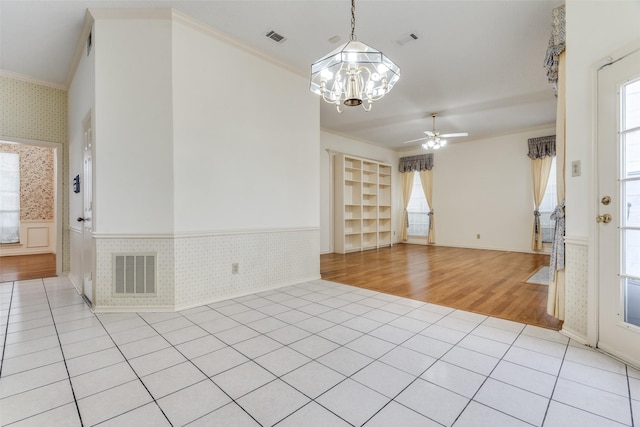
x=618 y=154
x=87 y=214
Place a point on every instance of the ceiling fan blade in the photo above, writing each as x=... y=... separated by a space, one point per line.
x=429 y=133
x=415 y=140
x=454 y=135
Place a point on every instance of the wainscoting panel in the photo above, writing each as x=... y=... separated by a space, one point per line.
x=106 y=297
x=37 y=237
x=265 y=259
x=576 y=288
x=194 y=270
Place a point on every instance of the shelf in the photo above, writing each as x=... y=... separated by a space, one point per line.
x=369 y=212
x=352 y=212
x=369 y=225
x=369 y=166
x=384 y=180
x=352 y=226
x=350 y=163
x=384 y=225
x=362 y=204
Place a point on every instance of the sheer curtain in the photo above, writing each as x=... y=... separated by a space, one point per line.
x=541 y=152
x=555 y=64
x=9 y=198
x=556 y=297
x=426 y=178
x=407 y=186
x=409 y=165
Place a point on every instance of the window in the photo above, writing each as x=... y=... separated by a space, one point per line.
x=9 y=198
x=418 y=210
x=548 y=205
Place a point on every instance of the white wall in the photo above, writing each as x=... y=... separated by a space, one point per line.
x=133 y=126
x=198 y=164
x=484 y=187
x=246 y=135
x=330 y=141
x=595 y=30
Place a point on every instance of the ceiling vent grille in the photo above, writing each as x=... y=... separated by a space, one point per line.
x=278 y=38
x=407 y=38
x=134 y=274
x=89 y=42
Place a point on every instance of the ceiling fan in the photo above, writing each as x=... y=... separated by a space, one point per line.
x=435 y=139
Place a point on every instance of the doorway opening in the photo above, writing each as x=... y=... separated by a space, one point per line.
x=30 y=209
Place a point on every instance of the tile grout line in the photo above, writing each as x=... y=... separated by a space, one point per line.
x=6 y=330
x=555 y=384
x=207 y=378
x=136 y=374
x=512 y=345
x=588 y=386
x=489 y=376
x=287 y=345
x=626 y=369
x=62 y=352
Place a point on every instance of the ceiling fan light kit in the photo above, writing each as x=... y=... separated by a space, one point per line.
x=353 y=74
x=436 y=140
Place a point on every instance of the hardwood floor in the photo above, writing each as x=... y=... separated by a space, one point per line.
x=25 y=267
x=481 y=281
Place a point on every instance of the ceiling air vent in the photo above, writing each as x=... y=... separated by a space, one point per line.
x=278 y=38
x=407 y=38
x=89 y=42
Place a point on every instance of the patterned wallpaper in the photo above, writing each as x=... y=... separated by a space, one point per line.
x=38 y=112
x=32 y=111
x=36 y=180
x=576 y=292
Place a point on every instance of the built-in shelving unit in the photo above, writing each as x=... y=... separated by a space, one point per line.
x=362 y=208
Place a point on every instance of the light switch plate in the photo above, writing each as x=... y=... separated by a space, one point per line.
x=575 y=168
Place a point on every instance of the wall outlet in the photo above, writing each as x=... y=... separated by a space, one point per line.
x=235 y=268
x=477 y=236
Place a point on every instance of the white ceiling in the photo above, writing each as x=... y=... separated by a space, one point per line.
x=477 y=63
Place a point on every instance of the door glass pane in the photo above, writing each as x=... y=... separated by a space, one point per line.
x=631 y=154
x=631 y=206
x=632 y=301
x=632 y=105
x=631 y=253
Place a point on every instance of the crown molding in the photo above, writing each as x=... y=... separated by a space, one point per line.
x=33 y=80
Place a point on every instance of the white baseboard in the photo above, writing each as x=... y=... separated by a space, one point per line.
x=181 y=307
x=574 y=336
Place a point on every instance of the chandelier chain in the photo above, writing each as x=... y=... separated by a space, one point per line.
x=353 y=20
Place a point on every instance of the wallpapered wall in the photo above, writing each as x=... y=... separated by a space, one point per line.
x=32 y=111
x=38 y=112
x=36 y=181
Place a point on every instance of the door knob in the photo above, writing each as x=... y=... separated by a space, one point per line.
x=606 y=218
x=606 y=200
x=80 y=219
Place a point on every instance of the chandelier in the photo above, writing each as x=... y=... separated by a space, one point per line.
x=353 y=74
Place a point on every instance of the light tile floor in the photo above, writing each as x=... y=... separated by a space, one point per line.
x=313 y=354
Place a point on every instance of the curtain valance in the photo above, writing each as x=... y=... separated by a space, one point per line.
x=542 y=147
x=556 y=45
x=422 y=162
